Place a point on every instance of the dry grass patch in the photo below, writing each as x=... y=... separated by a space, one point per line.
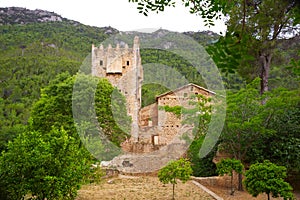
x=140 y=188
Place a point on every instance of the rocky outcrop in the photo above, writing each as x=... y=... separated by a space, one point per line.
x=17 y=15
x=23 y=16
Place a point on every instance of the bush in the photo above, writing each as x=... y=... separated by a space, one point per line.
x=47 y=166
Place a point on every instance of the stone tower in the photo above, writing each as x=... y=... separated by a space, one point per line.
x=122 y=67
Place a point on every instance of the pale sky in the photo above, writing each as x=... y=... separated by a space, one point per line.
x=119 y=14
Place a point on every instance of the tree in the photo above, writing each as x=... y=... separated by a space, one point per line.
x=267 y=178
x=177 y=169
x=100 y=115
x=208 y=10
x=88 y=93
x=246 y=121
x=201 y=166
x=285 y=145
x=200 y=117
x=44 y=165
x=253 y=30
x=254 y=132
x=227 y=166
x=282 y=145
x=257 y=27
x=110 y=106
x=54 y=108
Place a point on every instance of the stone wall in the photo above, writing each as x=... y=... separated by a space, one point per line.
x=170 y=123
x=222 y=181
x=148 y=116
x=139 y=147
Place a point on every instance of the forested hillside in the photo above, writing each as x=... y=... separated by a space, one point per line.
x=31 y=55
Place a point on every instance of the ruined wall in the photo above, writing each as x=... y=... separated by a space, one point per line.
x=145 y=143
x=148 y=116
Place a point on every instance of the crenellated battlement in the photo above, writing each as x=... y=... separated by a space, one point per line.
x=116 y=60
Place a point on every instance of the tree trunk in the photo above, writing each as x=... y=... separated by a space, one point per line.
x=268 y=196
x=240 y=186
x=264 y=74
x=240 y=176
x=173 y=191
x=231 y=185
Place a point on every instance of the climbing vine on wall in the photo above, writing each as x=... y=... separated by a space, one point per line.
x=177 y=110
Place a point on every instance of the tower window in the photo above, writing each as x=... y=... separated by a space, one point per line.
x=127 y=62
x=101 y=62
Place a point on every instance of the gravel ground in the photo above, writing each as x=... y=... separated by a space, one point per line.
x=140 y=188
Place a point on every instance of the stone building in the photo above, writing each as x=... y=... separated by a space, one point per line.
x=167 y=123
x=122 y=67
x=152 y=126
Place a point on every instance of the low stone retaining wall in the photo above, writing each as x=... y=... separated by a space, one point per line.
x=114 y=172
x=222 y=181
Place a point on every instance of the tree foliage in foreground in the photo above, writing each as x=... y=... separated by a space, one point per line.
x=254 y=132
x=200 y=117
x=202 y=167
x=268 y=178
x=44 y=166
x=227 y=166
x=282 y=144
x=54 y=108
x=176 y=169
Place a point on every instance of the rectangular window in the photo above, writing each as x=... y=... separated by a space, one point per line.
x=101 y=62
x=127 y=63
x=155 y=140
